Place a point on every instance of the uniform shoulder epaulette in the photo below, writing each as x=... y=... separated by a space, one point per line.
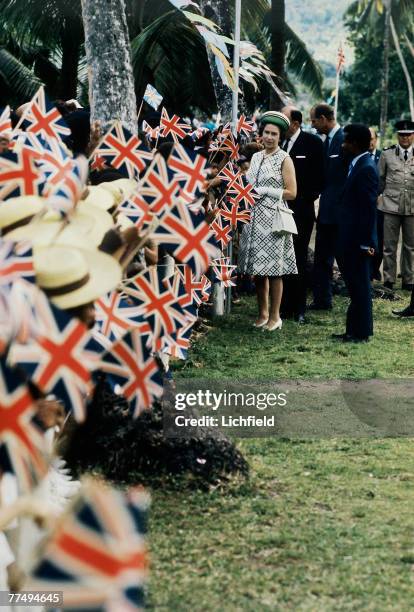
x=389 y=148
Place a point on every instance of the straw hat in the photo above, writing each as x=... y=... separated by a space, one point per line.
x=122 y=189
x=71 y=277
x=86 y=229
x=17 y=212
x=100 y=197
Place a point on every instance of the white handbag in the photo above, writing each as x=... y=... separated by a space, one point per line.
x=283 y=222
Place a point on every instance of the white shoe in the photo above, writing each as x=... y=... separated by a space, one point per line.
x=261 y=324
x=273 y=326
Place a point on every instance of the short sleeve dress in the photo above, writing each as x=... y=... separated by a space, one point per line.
x=261 y=252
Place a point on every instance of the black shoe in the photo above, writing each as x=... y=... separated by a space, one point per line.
x=389 y=285
x=355 y=340
x=300 y=319
x=407 y=312
x=340 y=337
x=407 y=286
x=316 y=306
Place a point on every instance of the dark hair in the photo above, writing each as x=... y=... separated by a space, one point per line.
x=281 y=130
x=324 y=110
x=359 y=134
x=96 y=177
x=249 y=149
x=296 y=115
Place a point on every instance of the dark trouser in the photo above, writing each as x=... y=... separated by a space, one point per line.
x=294 y=285
x=326 y=246
x=377 y=259
x=356 y=271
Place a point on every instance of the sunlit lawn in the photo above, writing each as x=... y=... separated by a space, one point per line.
x=321 y=524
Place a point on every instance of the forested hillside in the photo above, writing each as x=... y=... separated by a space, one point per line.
x=320 y=24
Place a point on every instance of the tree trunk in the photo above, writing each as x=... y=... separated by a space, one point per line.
x=219 y=12
x=70 y=41
x=404 y=68
x=108 y=53
x=278 y=56
x=385 y=68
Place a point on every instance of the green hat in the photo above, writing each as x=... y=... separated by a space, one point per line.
x=275 y=118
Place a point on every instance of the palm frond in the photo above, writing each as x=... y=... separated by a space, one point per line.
x=171 y=54
x=300 y=62
x=17 y=76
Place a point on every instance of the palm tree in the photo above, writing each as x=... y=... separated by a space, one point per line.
x=53 y=24
x=278 y=54
x=386 y=18
x=108 y=53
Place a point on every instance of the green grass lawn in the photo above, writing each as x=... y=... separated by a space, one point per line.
x=320 y=524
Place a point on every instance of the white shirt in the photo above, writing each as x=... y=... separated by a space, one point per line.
x=333 y=132
x=354 y=161
x=291 y=141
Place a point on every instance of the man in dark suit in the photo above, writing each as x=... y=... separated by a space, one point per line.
x=306 y=151
x=377 y=259
x=357 y=232
x=336 y=168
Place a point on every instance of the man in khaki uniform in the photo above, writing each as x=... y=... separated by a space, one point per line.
x=396 y=170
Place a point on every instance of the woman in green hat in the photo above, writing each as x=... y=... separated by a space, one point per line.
x=263 y=253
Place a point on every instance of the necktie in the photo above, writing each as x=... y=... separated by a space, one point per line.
x=405 y=155
x=285 y=146
x=327 y=143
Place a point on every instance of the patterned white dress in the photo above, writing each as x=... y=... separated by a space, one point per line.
x=262 y=252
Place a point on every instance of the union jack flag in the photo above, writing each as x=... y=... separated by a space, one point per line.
x=222 y=231
x=188 y=237
x=152 y=133
x=199 y=133
x=206 y=288
x=152 y=97
x=173 y=126
x=244 y=126
x=124 y=151
x=194 y=288
x=54 y=161
x=178 y=345
x=23 y=441
x=244 y=192
x=229 y=176
x=5 y=123
x=159 y=186
x=56 y=359
x=341 y=59
x=138 y=211
x=19 y=175
x=67 y=193
x=115 y=314
x=131 y=366
x=224 y=271
x=98 y=163
x=16 y=261
x=190 y=170
x=234 y=214
x=159 y=306
x=42 y=118
x=183 y=298
x=227 y=144
x=97 y=553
